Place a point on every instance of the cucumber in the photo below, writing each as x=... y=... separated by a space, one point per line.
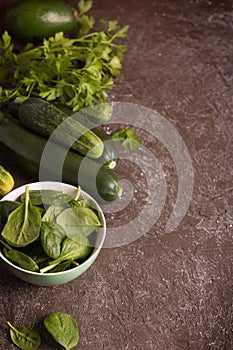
x=109 y=157
x=29 y=20
x=43 y=118
x=26 y=149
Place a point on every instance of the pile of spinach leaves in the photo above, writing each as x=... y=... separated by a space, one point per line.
x=48 y=230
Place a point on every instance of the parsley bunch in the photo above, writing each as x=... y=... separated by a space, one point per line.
x=74 y=71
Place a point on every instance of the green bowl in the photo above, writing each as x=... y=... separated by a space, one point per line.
x=51 y=279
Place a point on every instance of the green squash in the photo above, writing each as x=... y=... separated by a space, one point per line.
x=6 y=181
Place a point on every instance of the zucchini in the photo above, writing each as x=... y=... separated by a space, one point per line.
x=26 y=148
x=44 y=118
x=6 y=181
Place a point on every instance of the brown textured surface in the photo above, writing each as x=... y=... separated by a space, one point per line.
x=164 y=291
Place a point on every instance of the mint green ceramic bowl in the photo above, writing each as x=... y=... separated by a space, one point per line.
x=51 y=279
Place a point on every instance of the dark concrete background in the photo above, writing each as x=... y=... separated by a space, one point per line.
x=164 y=291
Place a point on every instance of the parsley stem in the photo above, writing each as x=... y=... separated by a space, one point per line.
x=31 y=88
x=29 y=52
x=13 y=93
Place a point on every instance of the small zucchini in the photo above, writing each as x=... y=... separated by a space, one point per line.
x=6 y=181
x=44 y=118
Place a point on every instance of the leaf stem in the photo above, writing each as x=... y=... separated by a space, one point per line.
x=26 y=206
x=78 y=193
x=29 y=52
x=5 y=244
x=49 y=267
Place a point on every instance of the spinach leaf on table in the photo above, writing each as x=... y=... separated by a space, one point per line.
x=51 y=237
x=24 y=338
x=23 y=224
x=63 y=328
x=78 y=220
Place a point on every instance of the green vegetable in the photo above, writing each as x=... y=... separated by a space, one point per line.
x=84 y=6
x=6 y=207
x=60 y=325
x=26 y=149
x=21 y=259
x=6 y=181
x=63 y=328
x=78 y=220
x=47 y=197
x=65 y=265
x=51 y=237
x=130 y=139
x=74 y=71
x=109 y=157
x=76 y=247
x=82 y=203
x=73 y=248
x=102 y=112
x=53 y=211
x=36 y=252
x=24 y=338
x=23 y=224
x=32 y=20
x=61 y=235
x=44 y=118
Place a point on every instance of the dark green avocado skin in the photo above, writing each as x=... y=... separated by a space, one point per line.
x=33 y=20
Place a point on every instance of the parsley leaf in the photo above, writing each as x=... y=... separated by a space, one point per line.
x=129 y=137
x=84 y=6
x=85 y=24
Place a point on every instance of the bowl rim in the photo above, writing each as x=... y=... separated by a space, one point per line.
x=20 y=190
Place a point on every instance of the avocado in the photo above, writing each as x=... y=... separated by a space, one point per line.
x=30 y=21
